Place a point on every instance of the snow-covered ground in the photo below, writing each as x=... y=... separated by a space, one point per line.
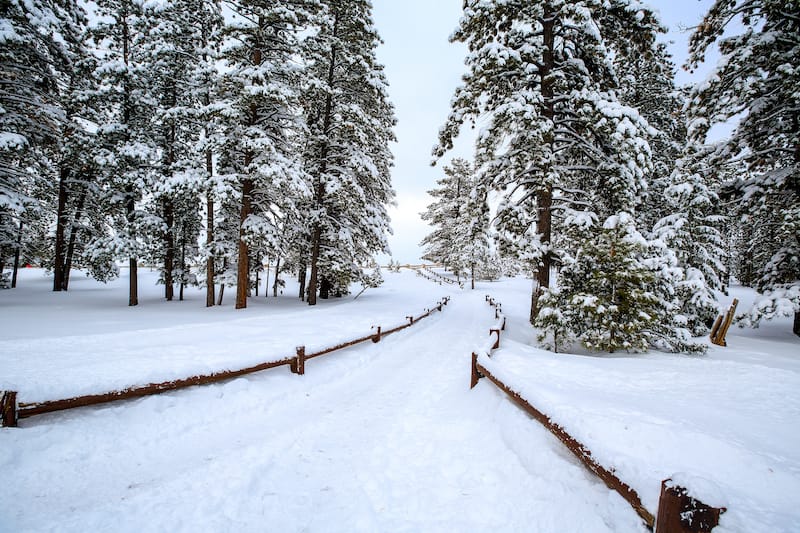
x=380 y=437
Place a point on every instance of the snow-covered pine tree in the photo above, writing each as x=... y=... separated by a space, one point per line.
x=446 y=215
x=558 y=138
x=123 y=100
x=756 y=84
x=460 y=218
x=259 y=151
x=177 y=55
x=350 y=121
x=38 y=44
x=691 y=232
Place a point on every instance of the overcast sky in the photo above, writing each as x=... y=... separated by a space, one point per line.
x=423 y=70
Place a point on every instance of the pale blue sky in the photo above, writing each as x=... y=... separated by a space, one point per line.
x=423 y=69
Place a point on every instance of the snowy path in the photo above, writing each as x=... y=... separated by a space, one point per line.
x=383 y=437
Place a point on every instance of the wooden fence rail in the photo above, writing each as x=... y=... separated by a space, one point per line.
x=677 y=511
x=11 y=411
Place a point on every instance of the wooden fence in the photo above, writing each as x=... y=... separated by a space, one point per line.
x=677 y=511
x=435 y=277
x=11 y=411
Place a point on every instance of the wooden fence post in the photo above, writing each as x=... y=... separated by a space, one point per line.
x=497 y=342
x=377 y=336
x=8 y=409
x=475 y=374
x=410 y=320
x=680 y=513
x=298 y=364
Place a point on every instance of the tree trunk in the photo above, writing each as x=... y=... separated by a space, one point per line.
x=73 y=236
x=544 y=197
x=209 y=243
x=16 y=257
x=243 y=272
x=324 y=288
x=169 y=249
x=472 y=273
x=277 y=271
x=312 y=283
x=258 y=281
x=61 y=222
x=133 y=282
x=183 y=261
x=301 y=278
x=221 y=293
x=320 y=188
x=796 y=328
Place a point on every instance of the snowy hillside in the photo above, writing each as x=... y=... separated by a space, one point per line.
x=380 y=437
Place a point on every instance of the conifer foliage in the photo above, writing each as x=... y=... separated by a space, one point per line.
x=757 y=80
x=274 y=112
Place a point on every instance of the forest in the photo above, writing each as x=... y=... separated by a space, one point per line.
x=596 y=173
x=204 y=137
x=210 y=138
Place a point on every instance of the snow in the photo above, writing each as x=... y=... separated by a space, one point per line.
x=379 y=437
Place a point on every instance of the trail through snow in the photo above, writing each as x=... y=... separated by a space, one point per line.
x=384 y=437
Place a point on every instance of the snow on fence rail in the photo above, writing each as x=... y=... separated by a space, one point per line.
x=677 y=511
x=435 y=277
x=11 y=411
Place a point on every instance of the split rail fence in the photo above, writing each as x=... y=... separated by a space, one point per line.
x=11 y=411
x=677 y=511
x=435 y=277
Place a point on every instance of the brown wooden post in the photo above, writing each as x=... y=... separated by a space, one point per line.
x=680 y=513
x=715 y=329
x=298 y=364
x=8 y=409
x=496 y=313
x=503 y=327
x=410 y=320
x=377 y=336
x=497 y=342
x=475 y=374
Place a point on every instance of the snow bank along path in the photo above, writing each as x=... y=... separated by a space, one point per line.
x=10 y=411
x=384 y=437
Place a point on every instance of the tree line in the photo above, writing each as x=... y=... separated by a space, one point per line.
x=177 y=133
x=603 y=181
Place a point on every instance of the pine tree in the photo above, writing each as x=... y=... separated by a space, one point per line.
x=124 y=100
x=756 y=83
x=260 y=124
x=460 y=217
x=350 y=122
x=558 y=138
x=39 y=41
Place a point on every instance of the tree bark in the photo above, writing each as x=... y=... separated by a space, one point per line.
x=243 y=272
x=183 y=261
x=544 y=197
x=169 y=249
x=301 y=278
x=312 y=282
x=73 y=236
x=209 y=243
x=17 y=253
x=324 y=288
x=796 y=327
x=277 y=271
x=61 y=222
x=133 y=281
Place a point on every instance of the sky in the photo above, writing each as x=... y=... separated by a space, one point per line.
x=423 y=69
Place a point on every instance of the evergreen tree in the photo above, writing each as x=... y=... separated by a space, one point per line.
x=460 y=218
x=756 y=83
x=127 y=151
x=39 y=40
x=558 y=138
x=260 y=124
x=350 y=122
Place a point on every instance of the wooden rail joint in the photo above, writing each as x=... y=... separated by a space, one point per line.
x=298 y=363
x=680 y=513
x=377 y=336
x=8 y=409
